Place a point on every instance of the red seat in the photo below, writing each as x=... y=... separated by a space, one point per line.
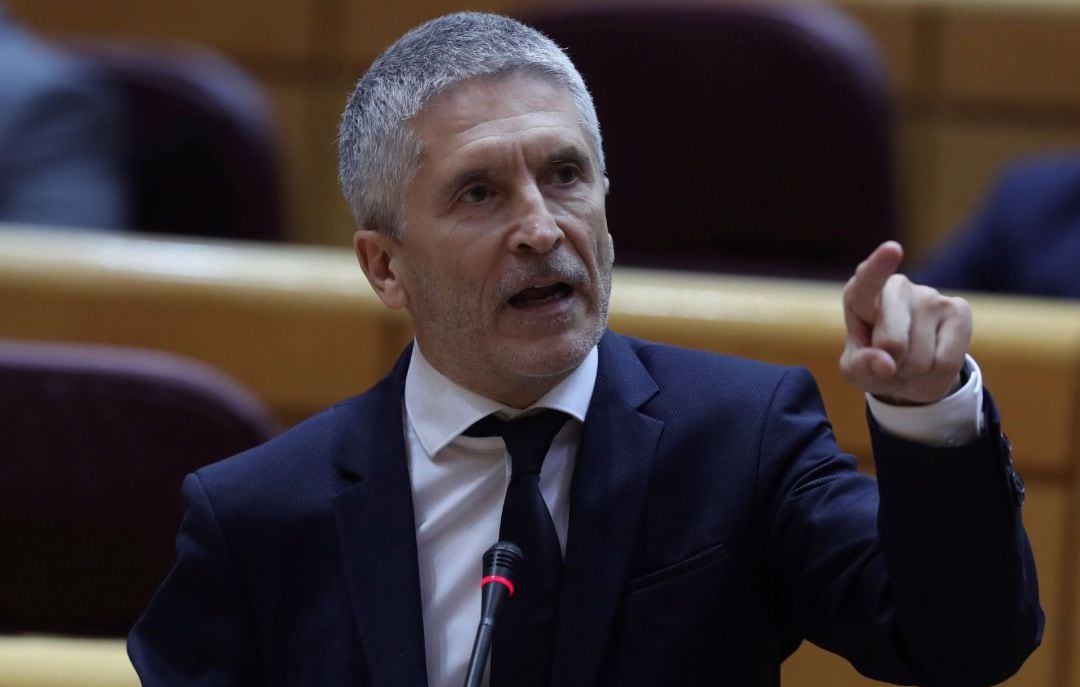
x=204 y=146
x=96 y=441
x=753 y=138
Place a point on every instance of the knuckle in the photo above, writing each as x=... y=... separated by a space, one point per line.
x=849 y=289
x=949 y=308
x=898 y=282
x=927 y=296
x=961 y=306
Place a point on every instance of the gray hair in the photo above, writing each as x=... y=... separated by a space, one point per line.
x=378 y=151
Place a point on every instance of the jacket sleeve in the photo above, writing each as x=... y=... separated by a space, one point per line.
x=923 y=578
x=197 y=630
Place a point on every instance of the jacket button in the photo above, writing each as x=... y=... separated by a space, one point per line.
x=1019 y=490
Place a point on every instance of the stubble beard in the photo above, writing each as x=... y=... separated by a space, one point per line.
x=530 y=368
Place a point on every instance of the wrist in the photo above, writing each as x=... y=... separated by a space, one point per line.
x=962 y=378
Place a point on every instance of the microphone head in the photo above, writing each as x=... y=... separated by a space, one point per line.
x=502 y=559
x=500 y=562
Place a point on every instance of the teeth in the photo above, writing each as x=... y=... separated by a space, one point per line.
x=554 y=293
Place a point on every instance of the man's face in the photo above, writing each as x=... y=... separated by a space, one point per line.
x=505 y=259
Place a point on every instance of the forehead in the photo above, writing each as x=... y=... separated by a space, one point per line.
x=486 y=115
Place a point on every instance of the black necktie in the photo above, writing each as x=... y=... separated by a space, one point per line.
x=524 y=636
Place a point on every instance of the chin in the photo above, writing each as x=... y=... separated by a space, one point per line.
x=553 y=356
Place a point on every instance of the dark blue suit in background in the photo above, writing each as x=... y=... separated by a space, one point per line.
x=713 y=524
x=63 y=138
x=1024 y=240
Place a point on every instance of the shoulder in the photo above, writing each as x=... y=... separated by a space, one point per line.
x=688 y=364
x=33 y=69
x=1043 y=171
x=309 y=464
x=1044 y=186
x=296 y=467
x=688 y=378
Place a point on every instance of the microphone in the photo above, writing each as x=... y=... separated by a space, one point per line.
x=496 y=585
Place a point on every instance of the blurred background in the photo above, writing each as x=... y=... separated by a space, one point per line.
x=204 y=295
x=974 y=83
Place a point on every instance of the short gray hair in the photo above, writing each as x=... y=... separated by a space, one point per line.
x=378 y=151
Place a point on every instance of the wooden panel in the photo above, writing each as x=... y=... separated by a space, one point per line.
x=308 y=315
x=299 y=326
x=1014 y=55
x=255 y=28
x=814 y=667
x=894 y=27
x=370 y=27
x=917 y=170
x=310 y=111
x=1044 y=517
x=290 y=104
x=39 y=661
x=1071 y=671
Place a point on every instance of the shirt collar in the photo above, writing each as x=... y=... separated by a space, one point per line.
x=439 y=410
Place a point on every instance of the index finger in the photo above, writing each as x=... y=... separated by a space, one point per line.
x=864 y=289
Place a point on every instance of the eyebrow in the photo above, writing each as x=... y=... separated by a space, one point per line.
x=569 y=153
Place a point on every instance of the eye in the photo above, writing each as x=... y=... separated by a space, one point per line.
x=477 y=193
x=565 y=174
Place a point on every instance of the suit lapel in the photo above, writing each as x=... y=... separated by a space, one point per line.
x=377 y=536
x=606 y=499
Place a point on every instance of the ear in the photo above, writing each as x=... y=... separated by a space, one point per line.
x=378 y=255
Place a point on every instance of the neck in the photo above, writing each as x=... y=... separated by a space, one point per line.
x=521 y=394
x=518 y=392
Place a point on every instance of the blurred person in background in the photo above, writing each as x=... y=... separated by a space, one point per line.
x=1024 y=239
x=62 y=138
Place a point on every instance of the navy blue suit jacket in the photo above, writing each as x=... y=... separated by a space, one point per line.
x=713 y=524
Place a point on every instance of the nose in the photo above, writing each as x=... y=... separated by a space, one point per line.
x=535 y=229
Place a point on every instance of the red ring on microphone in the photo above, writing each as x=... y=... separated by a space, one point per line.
x=501 y=580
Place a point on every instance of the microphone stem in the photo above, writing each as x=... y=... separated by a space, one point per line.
x=481 y=649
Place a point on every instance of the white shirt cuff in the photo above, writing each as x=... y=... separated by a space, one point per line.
x=952 y=421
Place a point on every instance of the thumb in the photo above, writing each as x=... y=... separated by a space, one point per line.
x=867 y=367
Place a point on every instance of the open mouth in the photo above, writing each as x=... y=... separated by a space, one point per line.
x=541 y=295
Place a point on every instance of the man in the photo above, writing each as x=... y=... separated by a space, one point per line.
x=705 y=519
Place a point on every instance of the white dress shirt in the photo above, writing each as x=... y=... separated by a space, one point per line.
x=458 y=485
